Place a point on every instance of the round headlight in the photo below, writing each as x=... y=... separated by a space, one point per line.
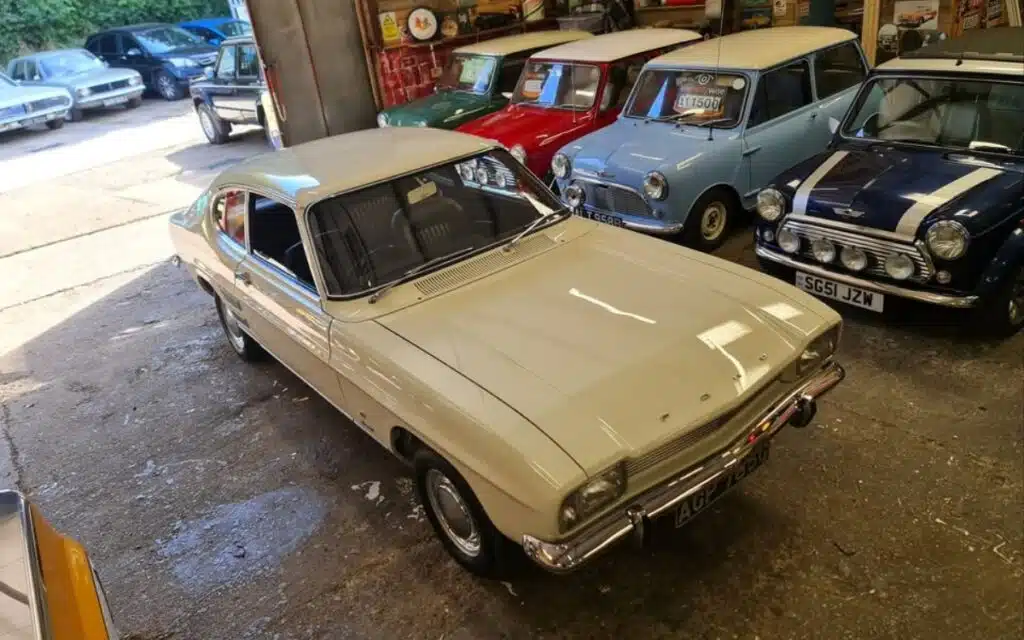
x=481 y=174
x=899 y=266
x=947 y=239
x=560 y=165
x=500 y=180
x=655 y=186
x=382 y=119
x=789 y=241
x=518 y=152
x=574 y=195
x=853 y=258
x=770 y=204
x=83 y=92
x=823 y=250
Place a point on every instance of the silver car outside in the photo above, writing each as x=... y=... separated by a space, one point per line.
x=26 y=106
x=91 y=83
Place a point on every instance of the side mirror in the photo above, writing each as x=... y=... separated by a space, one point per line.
x=208 y=73
x=134 y=52
x=833 y=125
x=506 y=94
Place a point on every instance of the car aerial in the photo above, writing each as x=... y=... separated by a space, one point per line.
x=231 y=91
x=216 y=30
x=91 y=83
x=167 y=57
x=478 y=79
x=445 y=301
x=920 y=195
x=706 y=126
x=22 y=106
x=572 y=89
x=48 y=584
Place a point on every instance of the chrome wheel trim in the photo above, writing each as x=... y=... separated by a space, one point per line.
x=453 y=513
x=712 y=221
x=234 y=330
x=1015 y=309
x=165 y=86
x=207 y=123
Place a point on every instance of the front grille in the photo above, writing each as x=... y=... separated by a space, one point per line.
x=48 y=103
x=10 y=112
x=877 y=249
x=109 y=86
x=613 y=199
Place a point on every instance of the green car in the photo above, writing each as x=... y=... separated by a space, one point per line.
x=479 y=79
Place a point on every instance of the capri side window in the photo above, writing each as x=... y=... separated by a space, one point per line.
x=229 y=214
x=274 y=237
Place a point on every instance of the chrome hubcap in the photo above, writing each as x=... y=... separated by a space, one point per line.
x=453 y=513
x=712 y=221
x=207 y=124
x=165 y=86
x=234 y=330
x=1016 y=309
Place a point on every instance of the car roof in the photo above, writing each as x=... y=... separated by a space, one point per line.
x=142 y=26
x=756 y=49
x=617 y=45
x=523 y=42
x=51 y=52
x=952 y=66
x=311 y=171
x=999 y=50
x=208 y=22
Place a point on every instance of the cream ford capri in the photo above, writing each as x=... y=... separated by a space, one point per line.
x=554 y=382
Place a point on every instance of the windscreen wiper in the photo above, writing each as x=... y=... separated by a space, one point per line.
x=379 y=293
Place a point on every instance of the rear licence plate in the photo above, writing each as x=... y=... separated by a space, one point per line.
x=841 y=292
x=699 y=501
x=615 y=221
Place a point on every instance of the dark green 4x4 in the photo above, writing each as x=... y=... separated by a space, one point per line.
x=478 y=80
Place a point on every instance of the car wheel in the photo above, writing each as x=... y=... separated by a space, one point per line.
x=1003 y=314
x=134 y=103
x=76 y=115
x=55 y=124
x=458 y=519
x=216 y=130
x=246 y=348
x=708 y=223
x=167 y=87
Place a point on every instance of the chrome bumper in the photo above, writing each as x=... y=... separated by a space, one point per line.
x=652 y=226
x=34 y=118
x=941 y=299
x=94 y=101
x=630 y=520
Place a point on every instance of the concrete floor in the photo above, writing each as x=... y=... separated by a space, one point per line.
x=221 y=500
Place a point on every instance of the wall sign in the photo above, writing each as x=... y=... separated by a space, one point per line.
x=779 y=8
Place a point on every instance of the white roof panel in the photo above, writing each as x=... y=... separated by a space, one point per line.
x=522 y=42
x=617 y=45
x=951 y=66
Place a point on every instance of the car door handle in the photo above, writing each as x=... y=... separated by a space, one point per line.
x=245 y=278
x=751 y=151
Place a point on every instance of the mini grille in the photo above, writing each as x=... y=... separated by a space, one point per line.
x=612 y=199
x=877 y=249
x=479 y=267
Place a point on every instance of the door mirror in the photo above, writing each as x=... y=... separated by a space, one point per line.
x=208 y=73
x=833 y=125
x=506 y=94
x=134 y=52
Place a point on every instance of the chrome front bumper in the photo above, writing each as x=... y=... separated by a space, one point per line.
x=34 y=118
x=630 y=520
x=99 y=100
x=940 y=299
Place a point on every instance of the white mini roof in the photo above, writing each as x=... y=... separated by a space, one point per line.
x=754 y=50
x=617 y=45
x=522 y=42
x=951 y=66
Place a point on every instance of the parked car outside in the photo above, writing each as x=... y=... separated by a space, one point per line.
x=707 y=126
x=231 y=91
x=89 y=80
x=920 y=196
x=573 y=89
x=216 y=30
x=167 y=57
x=478 y=79
x=27 y=106
x=49 y=587
x=444 y=300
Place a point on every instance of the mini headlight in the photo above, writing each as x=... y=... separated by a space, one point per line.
x=820 y=350
x=518 y=152
x=853 y=258
x=574 y=196
x=481 y=174
x=947 y=239
x=655 y=186
x=382 y=119
x=596 y=494
x=788 y=241
x=560 y=165
x=771 y=204
x=823 y=250
x=899 y=266
x=83 y=92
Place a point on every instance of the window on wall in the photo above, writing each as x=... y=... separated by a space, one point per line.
x=838 y=69
x=781 y=91
x=229 y=214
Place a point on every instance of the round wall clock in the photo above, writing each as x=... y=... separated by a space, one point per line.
x=422 y=24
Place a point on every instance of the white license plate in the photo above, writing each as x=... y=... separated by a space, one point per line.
x=113 y=102
x=32 y=121
x=841 y=292
x=701 y=500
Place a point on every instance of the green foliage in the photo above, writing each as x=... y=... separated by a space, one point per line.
x=32 y=25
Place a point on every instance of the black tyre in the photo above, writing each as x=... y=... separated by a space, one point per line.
x=54 y=124
x=1002 y=315
x=168 y=87
x=134 y=103
x=709 y=221
x=216 y=130
x=458 y=519
x=246 y=348
x=76 y=115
